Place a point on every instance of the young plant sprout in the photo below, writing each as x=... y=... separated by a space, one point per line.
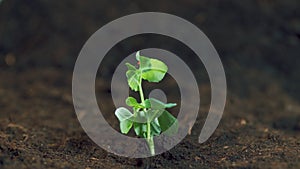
x=150 y=117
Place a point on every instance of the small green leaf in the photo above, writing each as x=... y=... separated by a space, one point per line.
x=140 y=129
x=131 y=101
x=153 y=114
x=155 y=128
x=140 y=116
x=147 y=103
x=166 y=121
x=125 y=126
x=123 y=114
x=170 y=105
x=157 y=104
x=133 y=77
x=153 y=70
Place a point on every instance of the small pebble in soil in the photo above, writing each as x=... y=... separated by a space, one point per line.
x=243 y=122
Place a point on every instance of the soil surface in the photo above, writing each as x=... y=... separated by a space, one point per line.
x=259 y=45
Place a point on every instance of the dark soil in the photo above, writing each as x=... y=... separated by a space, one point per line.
x=258 y=42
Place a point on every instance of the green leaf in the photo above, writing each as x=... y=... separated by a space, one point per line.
x=140 y=129
x=166 y=121
x=155 y=128
x=133 y=77
x=147 y=103
x=125 y=126
x=157 y=104
x=140 y=116
x=170 y=105
x=148 y=116
x=123 y=114
x=153 y=70
x=131 y=101
x=153 y=114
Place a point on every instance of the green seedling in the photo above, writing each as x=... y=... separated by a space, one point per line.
x=149 y=117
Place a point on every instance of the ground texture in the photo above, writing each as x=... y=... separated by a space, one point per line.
x=258 y=42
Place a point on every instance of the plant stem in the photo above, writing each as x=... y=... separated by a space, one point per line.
x=141 y=92
x=149 y=138
x=151 y=145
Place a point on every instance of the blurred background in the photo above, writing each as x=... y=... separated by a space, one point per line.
x=258 y=42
